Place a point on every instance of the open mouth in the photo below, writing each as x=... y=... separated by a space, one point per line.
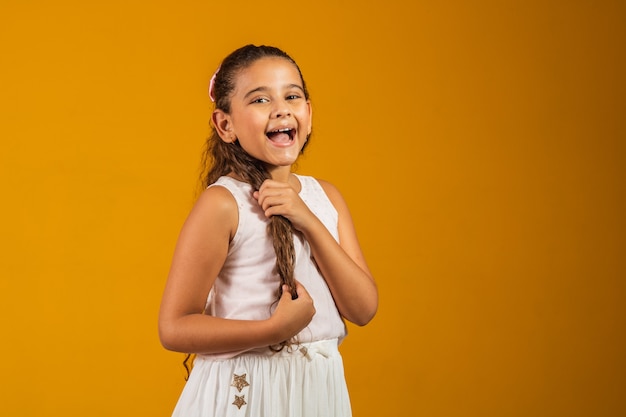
x=281 y=135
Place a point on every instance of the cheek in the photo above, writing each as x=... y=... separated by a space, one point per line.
x=249 y=124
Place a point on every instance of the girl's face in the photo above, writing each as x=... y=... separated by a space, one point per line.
x=269 y=113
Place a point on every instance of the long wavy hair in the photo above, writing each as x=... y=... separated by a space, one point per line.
x=221 y=158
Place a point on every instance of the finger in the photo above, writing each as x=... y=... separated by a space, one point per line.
x=300 y=290
x=273 y=187
x=289 y=293
x=285 y=293
x=273 y=201
x=271 y=192
x=261 y=199
x=268 y=184
x=268 y=198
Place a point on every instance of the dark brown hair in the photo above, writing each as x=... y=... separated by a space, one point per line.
x=221 y=158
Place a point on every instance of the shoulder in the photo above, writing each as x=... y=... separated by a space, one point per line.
x=308 y=182
x=327 y=186
x=345 y=224
x=217 y=197
x=333 y=194
x=215 y=208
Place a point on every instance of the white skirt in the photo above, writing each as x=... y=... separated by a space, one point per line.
x=304 y=381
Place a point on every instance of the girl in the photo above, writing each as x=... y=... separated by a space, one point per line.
x=267 y=264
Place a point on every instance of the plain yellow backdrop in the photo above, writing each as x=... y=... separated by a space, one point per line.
x=480 y=146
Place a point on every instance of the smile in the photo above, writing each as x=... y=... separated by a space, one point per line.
x=281 y=135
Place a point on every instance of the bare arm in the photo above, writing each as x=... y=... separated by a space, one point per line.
x=200 y=253
x=342 y=264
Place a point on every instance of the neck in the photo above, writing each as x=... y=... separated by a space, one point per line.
x=280 y=174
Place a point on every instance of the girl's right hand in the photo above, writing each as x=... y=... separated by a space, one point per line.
x=292 y=315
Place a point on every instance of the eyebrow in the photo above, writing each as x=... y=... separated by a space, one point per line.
x=265 y=89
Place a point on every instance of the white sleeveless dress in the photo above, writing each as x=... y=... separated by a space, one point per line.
x=306 y=380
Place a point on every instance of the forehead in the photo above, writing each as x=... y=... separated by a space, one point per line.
x=273 y=72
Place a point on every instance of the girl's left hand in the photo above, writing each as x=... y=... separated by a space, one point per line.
x=279 y=198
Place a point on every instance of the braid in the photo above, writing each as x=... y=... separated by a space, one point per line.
x=231 y=158
x=281 y=231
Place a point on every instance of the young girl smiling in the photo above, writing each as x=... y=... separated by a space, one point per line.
x=267 y=265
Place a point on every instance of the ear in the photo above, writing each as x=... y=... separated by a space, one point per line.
x=223 y=125
x=310 y=108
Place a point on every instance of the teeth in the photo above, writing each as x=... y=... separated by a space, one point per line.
x=287 y=130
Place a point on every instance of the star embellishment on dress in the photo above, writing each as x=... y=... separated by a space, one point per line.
x=239 y=382
x=239 y=401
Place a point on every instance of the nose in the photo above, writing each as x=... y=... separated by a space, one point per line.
x=281 y=109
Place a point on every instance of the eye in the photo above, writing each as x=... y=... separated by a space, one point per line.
x=292 y=96
x=260 y=100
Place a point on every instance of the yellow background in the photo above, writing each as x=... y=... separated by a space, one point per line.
x=480 y=146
